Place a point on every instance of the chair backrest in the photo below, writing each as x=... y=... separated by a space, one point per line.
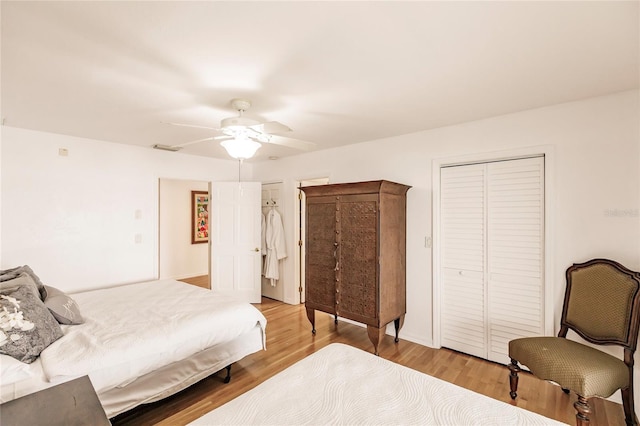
x=602 y=303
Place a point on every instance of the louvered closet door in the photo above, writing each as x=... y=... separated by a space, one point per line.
x=462 y=204
x=492 y=229
x=515 y=252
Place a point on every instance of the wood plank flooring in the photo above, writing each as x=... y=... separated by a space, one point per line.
x=200 y=281
x=289 y=339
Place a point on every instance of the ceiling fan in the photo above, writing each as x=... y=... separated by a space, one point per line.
x=242 y=136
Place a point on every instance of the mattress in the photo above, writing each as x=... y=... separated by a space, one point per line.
x=135 y=329
x=181 y=334
x=340 y=384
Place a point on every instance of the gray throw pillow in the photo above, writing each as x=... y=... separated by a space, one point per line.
x=10 y=274
x=17 y=281
x=63 y=307
x=26 y=325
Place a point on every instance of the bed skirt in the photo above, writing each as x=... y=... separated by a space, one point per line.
x=153 y=386
x=175 y=377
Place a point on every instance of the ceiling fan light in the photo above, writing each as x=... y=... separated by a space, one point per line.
x=240 y=148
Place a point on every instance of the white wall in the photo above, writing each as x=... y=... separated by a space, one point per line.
x=73 y=219
x=596 y=143
x=1 y=124
x=0 y=191
x=178 y=257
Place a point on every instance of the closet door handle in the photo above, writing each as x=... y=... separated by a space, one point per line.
x=256 y=249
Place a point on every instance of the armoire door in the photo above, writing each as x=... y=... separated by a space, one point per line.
x=321 y=253
x=358 y=267
x=492 y=264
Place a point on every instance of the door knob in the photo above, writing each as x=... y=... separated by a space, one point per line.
x=256 y=249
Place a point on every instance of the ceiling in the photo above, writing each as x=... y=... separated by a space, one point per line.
x=336 y=73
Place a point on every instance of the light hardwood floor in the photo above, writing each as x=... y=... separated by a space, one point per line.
x=200 y=281
x=289 y=339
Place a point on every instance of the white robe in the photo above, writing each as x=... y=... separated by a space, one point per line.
x=274 y=241
x=263 y=245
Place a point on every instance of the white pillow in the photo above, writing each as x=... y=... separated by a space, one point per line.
x=12 y=370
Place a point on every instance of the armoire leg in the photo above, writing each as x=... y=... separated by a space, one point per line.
x=311 y=314
x=398 y=323
x=375 y=335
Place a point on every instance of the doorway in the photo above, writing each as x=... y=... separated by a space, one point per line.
x=179 y=259
x=272 y=201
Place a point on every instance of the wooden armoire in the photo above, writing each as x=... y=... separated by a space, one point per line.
x=356 y=254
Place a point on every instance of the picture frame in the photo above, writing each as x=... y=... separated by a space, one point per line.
x=199 y=217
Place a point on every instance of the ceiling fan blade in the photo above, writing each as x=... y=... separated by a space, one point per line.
x=271 y=127
x=166 y=147
x=292 y=143
x=189 y=125
x=182 y=145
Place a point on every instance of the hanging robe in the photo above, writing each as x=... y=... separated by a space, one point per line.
x=263 y=245
x=274 y=241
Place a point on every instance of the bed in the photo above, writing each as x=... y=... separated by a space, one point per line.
x=340 y=384
x=142 y=342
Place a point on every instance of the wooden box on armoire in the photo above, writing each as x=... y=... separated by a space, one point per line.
x=356 y=253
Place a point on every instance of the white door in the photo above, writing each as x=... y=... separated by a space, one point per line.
x=492 y=264
x=515 y=253
x=235 y=224
x=463 y=210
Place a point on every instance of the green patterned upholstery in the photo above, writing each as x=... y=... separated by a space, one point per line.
x=602 y=305
x=583 y=369
x=601 y=301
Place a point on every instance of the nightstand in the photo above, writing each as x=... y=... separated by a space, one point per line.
x=73 y=403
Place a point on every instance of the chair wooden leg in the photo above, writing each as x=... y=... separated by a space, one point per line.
x=513 y=378
x=583 y=411
x=629 y=409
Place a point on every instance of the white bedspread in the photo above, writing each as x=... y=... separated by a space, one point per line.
x=340 y=384
x=134 y=329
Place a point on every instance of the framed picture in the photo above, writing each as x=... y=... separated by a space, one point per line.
x=199 y=217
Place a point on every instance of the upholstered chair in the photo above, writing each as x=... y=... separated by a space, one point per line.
x=601 y=305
